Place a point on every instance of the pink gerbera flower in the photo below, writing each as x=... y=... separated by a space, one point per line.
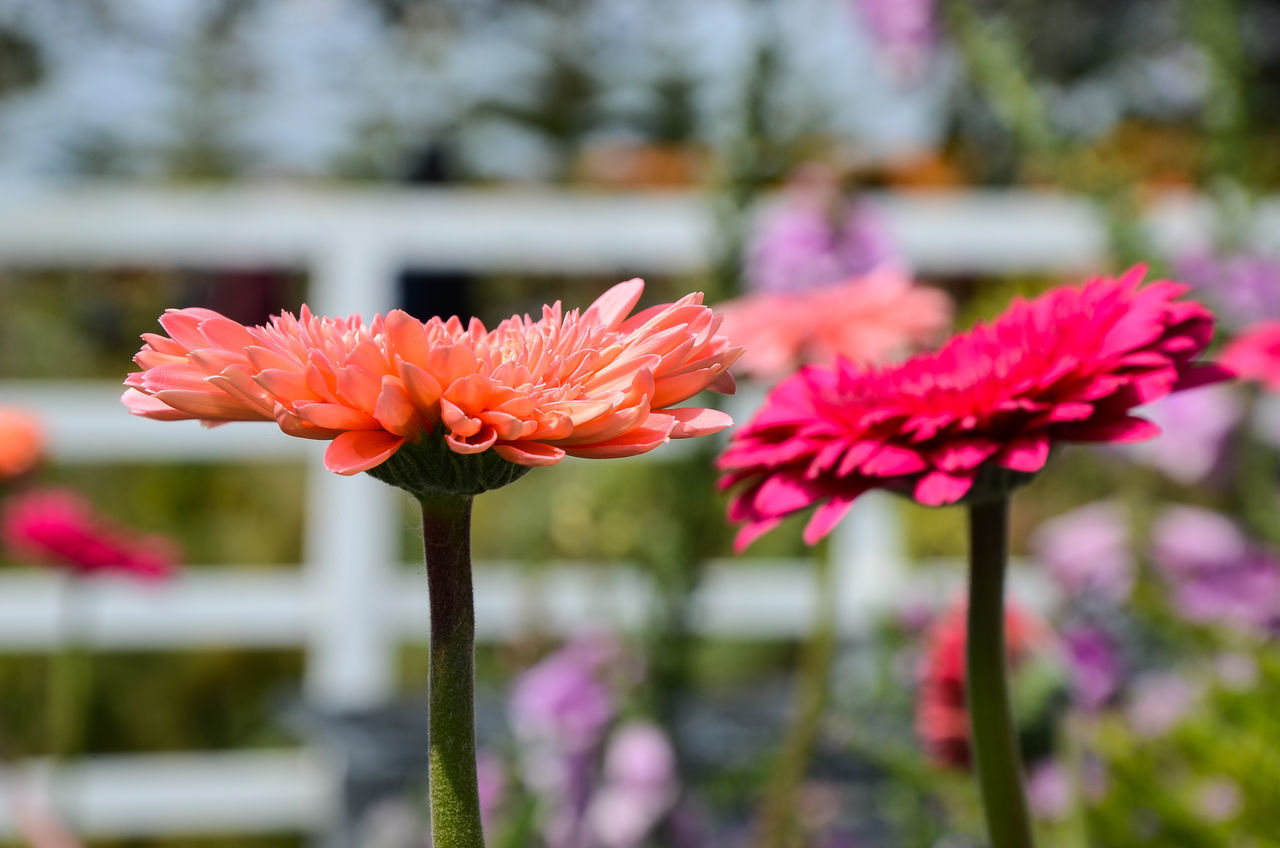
x=592 y=384
x=61 y=528
x=867 y=319
x=1255 y=354
x=1068 y=366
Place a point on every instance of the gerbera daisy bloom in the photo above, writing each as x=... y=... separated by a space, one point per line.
x=982 y=412
x=595 y=383
x=21 y=443
x=868 y=319
x=1255 y=354
x=61 y=528
x=447 y=411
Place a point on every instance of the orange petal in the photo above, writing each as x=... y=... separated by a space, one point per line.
x=284 y=385
x=395 y=409
x=530 y=453
x=484 y=439
x=424 y=389
x=359 y=450
x=227 y=334
x=150 y=407
x=692 y=421
x=458 y=422
x=332 y=416
x=406 y=337
x=612 y=307
x=640 y=440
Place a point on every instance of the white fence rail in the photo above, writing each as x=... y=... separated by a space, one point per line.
x=350 y=605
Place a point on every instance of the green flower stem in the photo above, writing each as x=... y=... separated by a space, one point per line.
x=455 y=799
x=778 y=817
x=995 y=744
x=69 y=670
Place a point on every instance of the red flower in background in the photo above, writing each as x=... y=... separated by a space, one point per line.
x=21 y=443
x=1068 y=366
x=1255 y=354
x=60 y=527
x=942 y=713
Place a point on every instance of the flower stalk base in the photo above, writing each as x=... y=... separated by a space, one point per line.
x=995 y=744
x=455 y=799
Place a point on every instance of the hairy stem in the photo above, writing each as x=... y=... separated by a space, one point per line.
x=455 y=799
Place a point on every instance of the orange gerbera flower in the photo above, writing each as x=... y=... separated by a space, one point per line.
x=21 y=443
x=595 y=383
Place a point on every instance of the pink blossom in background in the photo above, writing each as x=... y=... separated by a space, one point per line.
x=869 y=319
x=640 y=786
x=491 y=782
x=1159 y=701
x=1255 y=354
x=1242 y=287
x=905 y=31
x=1088 y=551
x=60 y=527
x=815 y=237
x=1050 y=791
x=1068 y=366
x=1196 y=428
x=1219 y=799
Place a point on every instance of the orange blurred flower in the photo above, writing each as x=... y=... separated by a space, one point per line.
x=868 y=319
x=21 y=443
x=594 y=383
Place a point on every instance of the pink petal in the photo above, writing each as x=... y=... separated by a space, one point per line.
x=1128 y=428
x=938 y=488
x=1026 y=453
x=826 y=517
x=753 y=531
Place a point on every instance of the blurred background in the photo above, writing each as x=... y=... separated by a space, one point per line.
x=245 y=664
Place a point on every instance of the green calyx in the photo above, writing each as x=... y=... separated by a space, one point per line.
x=994 y=483
x=428 y=467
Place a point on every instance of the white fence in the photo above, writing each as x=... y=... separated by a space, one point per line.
x=348 y=604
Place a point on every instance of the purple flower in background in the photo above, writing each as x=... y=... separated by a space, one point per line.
x=1088 y=550
x=1214 y=574
x=904 y=31
x=1186 y=540
x=561 y=701
x=815 y=237
x=559 y=710
x=640 y=786
x=1244 y=287
x=1094 y=661
x=1196 y=425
